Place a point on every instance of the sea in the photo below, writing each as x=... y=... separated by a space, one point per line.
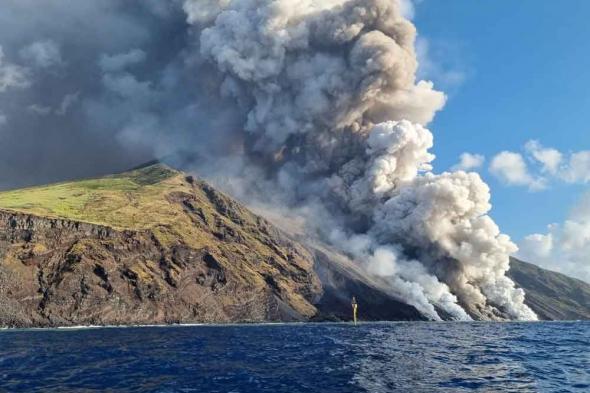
x=326 y=357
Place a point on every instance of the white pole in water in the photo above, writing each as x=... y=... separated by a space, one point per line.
x=354 y=309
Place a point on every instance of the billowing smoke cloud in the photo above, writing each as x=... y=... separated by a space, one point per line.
x=74 y=87
x=469 y=162
x=308 y=106
x=336 y=118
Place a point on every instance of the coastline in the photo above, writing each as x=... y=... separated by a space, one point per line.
x=272 y=324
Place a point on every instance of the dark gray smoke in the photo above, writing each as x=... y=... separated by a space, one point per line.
x=309 y=107
x=92 y=87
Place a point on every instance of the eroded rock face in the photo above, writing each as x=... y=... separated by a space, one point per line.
x=155 y=246
x=60 y=272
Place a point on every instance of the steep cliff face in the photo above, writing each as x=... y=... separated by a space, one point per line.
x=155 y=246
x=165 y=249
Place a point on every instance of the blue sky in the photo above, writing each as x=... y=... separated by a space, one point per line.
x=514 y=71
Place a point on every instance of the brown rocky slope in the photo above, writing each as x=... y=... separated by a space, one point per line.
x=155 y=246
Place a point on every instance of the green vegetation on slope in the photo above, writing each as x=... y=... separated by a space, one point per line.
x=120 y=201
x=142 y=199
x=153 y=197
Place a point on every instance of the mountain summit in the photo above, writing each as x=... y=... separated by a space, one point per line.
x=155 y=245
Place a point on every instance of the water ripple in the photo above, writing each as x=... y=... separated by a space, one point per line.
x=379 y=357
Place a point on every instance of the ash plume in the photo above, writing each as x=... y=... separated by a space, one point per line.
x=336 y=121
x=308 y=107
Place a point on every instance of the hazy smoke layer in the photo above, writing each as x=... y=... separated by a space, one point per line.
x=93 y=87
x=309 y=106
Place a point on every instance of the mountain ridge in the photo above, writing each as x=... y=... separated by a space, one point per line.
x=553 y=295
x=155 y=245
x=164 y=257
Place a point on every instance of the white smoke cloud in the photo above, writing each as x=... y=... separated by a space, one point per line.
x=411 y=279
x=295 y=90
x=565 y=247
x=469 y=162
x=12 y=75
x=335 y=111
x=444 y=218
x=511 y=168
x=42 y=54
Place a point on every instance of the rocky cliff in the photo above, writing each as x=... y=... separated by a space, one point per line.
x=151 y=246
x=157 y=246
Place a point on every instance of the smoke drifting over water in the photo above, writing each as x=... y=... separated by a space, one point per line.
x=308 y=106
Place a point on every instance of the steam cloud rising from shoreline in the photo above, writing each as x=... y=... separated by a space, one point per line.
x=306 y=105
x=336 y=116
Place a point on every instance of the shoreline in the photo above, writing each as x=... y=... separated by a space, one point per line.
x=265 y=324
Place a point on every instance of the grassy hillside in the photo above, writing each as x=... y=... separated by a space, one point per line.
x=151 y=197
x=155 y=198
x=553 y=296
x=120 y=201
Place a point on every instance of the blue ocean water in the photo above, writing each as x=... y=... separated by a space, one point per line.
x=373 y=357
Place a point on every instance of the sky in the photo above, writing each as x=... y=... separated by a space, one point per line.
x=514 y=73
x=524 y=71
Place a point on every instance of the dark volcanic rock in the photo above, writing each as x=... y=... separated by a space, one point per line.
x=174 y=251
x=57 y=272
